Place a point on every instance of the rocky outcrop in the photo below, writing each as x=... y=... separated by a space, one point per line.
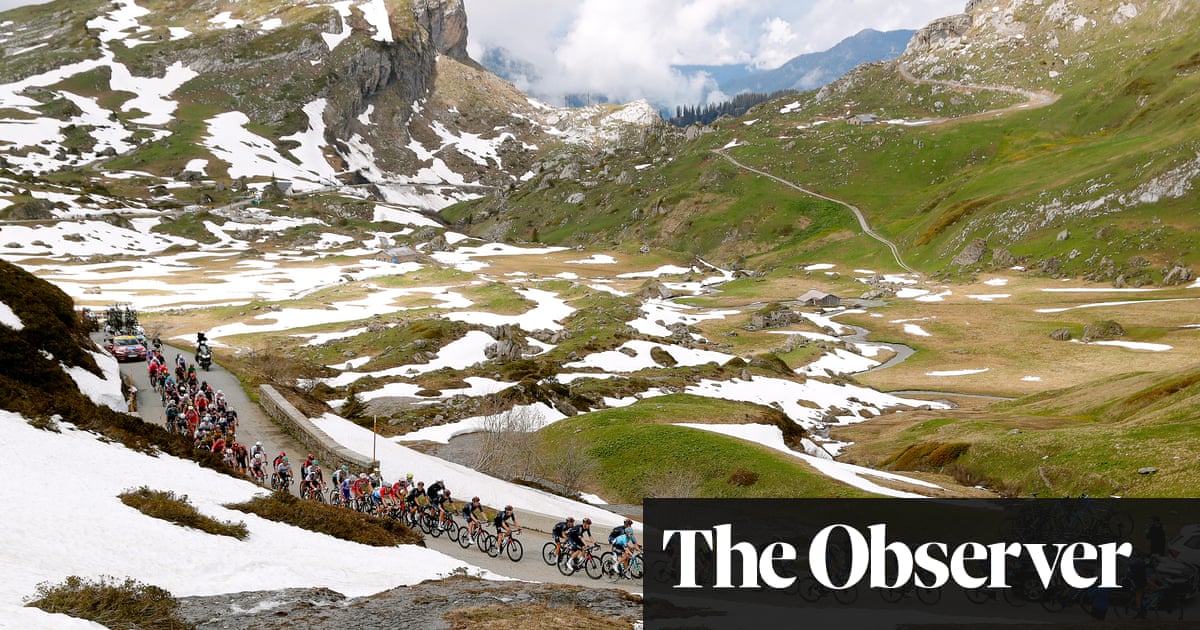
x=972 y=253
x=939 y=32
x=1106 y=329
x=446 y=23
x=425 y=605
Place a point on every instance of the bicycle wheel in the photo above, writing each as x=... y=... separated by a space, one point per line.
x=891 y=595
x=566 y=565
x=549 y=556
x=464 y=537
x=605 y=556
x=515 y=550
x=1013 y=597
x=810 y=589
x=433 y=525
x=1120 y=524
x=484 y=541
x=637 y=566
x=608 y=565
x=493 y=548
x=928 y=596
x=452 y=531
x=592 y=566
x=978 y=595
x=846 y=596
x=423 y=523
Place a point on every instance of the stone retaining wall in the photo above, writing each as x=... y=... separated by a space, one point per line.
x=331 y=454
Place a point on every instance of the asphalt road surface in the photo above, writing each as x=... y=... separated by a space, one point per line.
x=254 y=425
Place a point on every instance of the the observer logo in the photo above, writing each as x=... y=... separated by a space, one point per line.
x=885 y=563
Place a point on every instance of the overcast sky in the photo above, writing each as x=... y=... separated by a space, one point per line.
x=624 y=49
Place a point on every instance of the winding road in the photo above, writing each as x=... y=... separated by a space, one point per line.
x=1034 y=100
x=862 y=220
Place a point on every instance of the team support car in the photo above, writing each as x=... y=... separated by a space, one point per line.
x=126 y=348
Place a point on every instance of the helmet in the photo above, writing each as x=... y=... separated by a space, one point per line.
x=310 y=455
x=409 y=475
x=285 y=458
x=508 y=508
x=282 y=454
x=629 y=530
x=570 y=519
x=587 y=521
x=446 y=492
x=362 y=475
x=316 y=463
x=474 y=499
x=258 y=443
x=628 y=522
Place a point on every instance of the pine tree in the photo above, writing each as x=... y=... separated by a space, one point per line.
x=354 y=407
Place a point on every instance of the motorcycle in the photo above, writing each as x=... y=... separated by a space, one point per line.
x=204 y=357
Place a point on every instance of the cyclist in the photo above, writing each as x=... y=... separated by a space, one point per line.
x=435 y=489
x=258 y=449
x=504 y=522
x=625 y=546
x=376 y=478
x=360 y=488
x=314 y=480
x=414 y=495
x=340 y=475
x=471 y=512
x=257 y=464
x=444 y=504
x=283 y=468
x=575 y=539
x=560 y=534
x=387 y=498
x=304 y=466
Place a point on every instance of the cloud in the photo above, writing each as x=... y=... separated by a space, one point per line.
x=624 y=49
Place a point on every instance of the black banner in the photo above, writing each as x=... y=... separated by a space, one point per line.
x=901 y=563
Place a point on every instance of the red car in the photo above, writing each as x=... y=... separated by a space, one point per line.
x=126 y=348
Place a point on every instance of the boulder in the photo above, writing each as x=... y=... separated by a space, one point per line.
x=1178 y=275
x=1003 y=258
x=1104 y=329
x=1063 y=235
x=1061 y=334
x=972 y=253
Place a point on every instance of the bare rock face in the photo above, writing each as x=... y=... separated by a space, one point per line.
x=446 y=22
x=972 y=253
x=939 y=32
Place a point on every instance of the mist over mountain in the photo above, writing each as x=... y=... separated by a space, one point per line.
x=803 y=72
x=809 y=71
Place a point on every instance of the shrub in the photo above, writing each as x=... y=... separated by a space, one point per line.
x=327 y=519
x=121 y=605
x=742 y=477
x=168 y=507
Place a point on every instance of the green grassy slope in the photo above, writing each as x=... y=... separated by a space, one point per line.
x=1112 y=162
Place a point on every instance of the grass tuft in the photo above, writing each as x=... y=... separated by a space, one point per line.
x=119 y=605
x=168 y=507
x=327 y=519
